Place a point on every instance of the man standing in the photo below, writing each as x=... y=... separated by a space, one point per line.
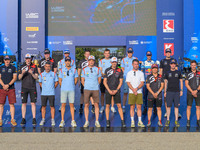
x=68 y=78
x=91 y=78
x=8 y=76
x=48 y=81
x=103 y=65
x=126 y=65
x=146 y=68
x=172 y=91
x=28 y=74
x=135 y=82
x=155 y=85
x=113 y=80
x=192 y=85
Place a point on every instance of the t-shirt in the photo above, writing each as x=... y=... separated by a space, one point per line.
x=173 y=78
x=7 y=75
x=48 y=82
x=135 y=78
x=28 y=81
x=91 y=76
x=113 y=76
x=165 y=65
x=193 y=80
x=104 y=64
x=43 y=61
x=155 y=84
x=146 y=66
x=68 y=77
x=62 y=64
x=126 y=63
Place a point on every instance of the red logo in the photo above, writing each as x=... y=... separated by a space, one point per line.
x=168 y=26
x=169 y=45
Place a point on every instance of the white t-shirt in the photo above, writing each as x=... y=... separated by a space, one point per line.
x=135 y=79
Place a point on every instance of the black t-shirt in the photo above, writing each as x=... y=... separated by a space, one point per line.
x=7 y=75
x=28 y=81
x=43 y=61
x=193 y=80
x=173 y=80
x=113 y=76
x=155 y=84
x=165 y=65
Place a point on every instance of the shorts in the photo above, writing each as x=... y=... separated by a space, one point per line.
x=135 y=99
x=152 y=101
x=102 y=87
x=33 y=95
x=82 y=88
x=91 y=93
x=126 y=88
x=190 y=98
x=67 y=95
x=117 y=98
x=173 y=97
x=11 y=96
x=51 y=99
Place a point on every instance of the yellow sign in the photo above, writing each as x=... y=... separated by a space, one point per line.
x=32 y=28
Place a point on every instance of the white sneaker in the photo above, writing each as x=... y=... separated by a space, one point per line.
x=42 y=122
x=165 y=115
x=53 y=122
x=132 y=124
x=97 y=124
x=62 y=124
x=113 y=109
x=73 y=123
x=86 y=124
x=102 y=109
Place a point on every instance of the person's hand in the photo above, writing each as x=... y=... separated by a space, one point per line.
x=194 y=93
x=110 y=92
x=23 y=71
x=135 y=90
x=6 y=86
x=30 y=71
x=114 y=92
x=181 y=93
x=165 y=94
x=136 y=93
x=155 y=95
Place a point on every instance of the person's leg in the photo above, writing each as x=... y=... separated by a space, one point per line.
x=72 y=110
x=33 y=97
x=198 y=112
x=23 y=110
x=96 y=105
x=71 y=96
x=188 y=112
x=168 y=112
x=139 y=113
x=87 y=94
x=33 y=108
x=63 y=111
x=176 y=104
x=150 y=107
x=52 y=106
x=149 y=113
x=24 y=96
x=12 y=101
x=12 y=111
x=1 y=110
x=52 y=112
x=86 y=111
x=108 y=102
x=112 y=102
x=107 y=111
x=43 y=112
x=95 y=95
x=159 y=113
x=176 y=113
x=120 y=111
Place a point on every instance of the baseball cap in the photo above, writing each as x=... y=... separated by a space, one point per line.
x=6 y=57
x=66 y=51
x=130 y=50
x=168 y=50
x=173 y=61
x=91 y=57
x=67 y=58
x=114 y=59
x=47 y=51
x=28 y=56
x=154 y=66
x=149 y=53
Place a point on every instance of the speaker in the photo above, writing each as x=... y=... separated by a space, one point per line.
x=57 y=56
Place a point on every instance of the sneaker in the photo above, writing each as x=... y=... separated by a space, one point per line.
x=1 y=123
x=97 y=124
x=53 y=122
x=60 y=108
x=165 y=115
x=113 y=109
x=140 y=124
x=123 y=124
x=149 y=123
x=188 y=123
x=86 y=124
x=62 y=124
x=177 y=124
x=23 y=122
x=179 y=115
x=108 y=123
x=73 y=123
x=167 y=123
x=102 y=109
x=160 y=124
x=144 y=111
x=34 y=122
x=123 y=109
x=42 y=122
x=132 y=124
x=80 y=110
x=13 y=122
x=93 y=109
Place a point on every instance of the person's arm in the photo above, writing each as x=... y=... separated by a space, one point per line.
x=1 y=82
x=181 y=82
x=21 y=74
x=120 y=84
x=60 y=81
x=122 y=64
x=56 y=84
x=165 y=89
x=161 y=71
x=83 y=81
x=35 y=76
x=188 y=86
x=39 y=70
x=99 y=80
x=55 y=70
x=13 y=79
x=141 y=85
x=130 y=86
x=149 y=89
x=106 y=85
x=75 y=80
x=40 y=83
x=99 y=76
x=161 y=88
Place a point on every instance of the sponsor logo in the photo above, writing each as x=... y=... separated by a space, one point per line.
x=58 y=9
x=194 y=39
x=134 y=42
x=145 y=42
x=32 y=15
x=5 y=39
x=32 y=42
x=54 y=42
x=32 y=35
x=194 y=48
x=68 y=42
x=169 y=45
x=168 y=26
x=31 y=49
x=32 y=28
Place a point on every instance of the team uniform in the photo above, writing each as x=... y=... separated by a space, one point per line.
x=6 y=76
x=48 y=87
x=62 y=64
x=165 y=65
x=43 y=61
x=193 y=81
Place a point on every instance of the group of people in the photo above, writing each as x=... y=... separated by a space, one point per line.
x=140 y=87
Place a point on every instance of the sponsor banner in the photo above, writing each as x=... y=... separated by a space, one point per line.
x=169 y=45
x=168 y=26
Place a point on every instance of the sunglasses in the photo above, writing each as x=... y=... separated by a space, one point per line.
x=91 y=70
x=67 y=73
x=134 y=73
